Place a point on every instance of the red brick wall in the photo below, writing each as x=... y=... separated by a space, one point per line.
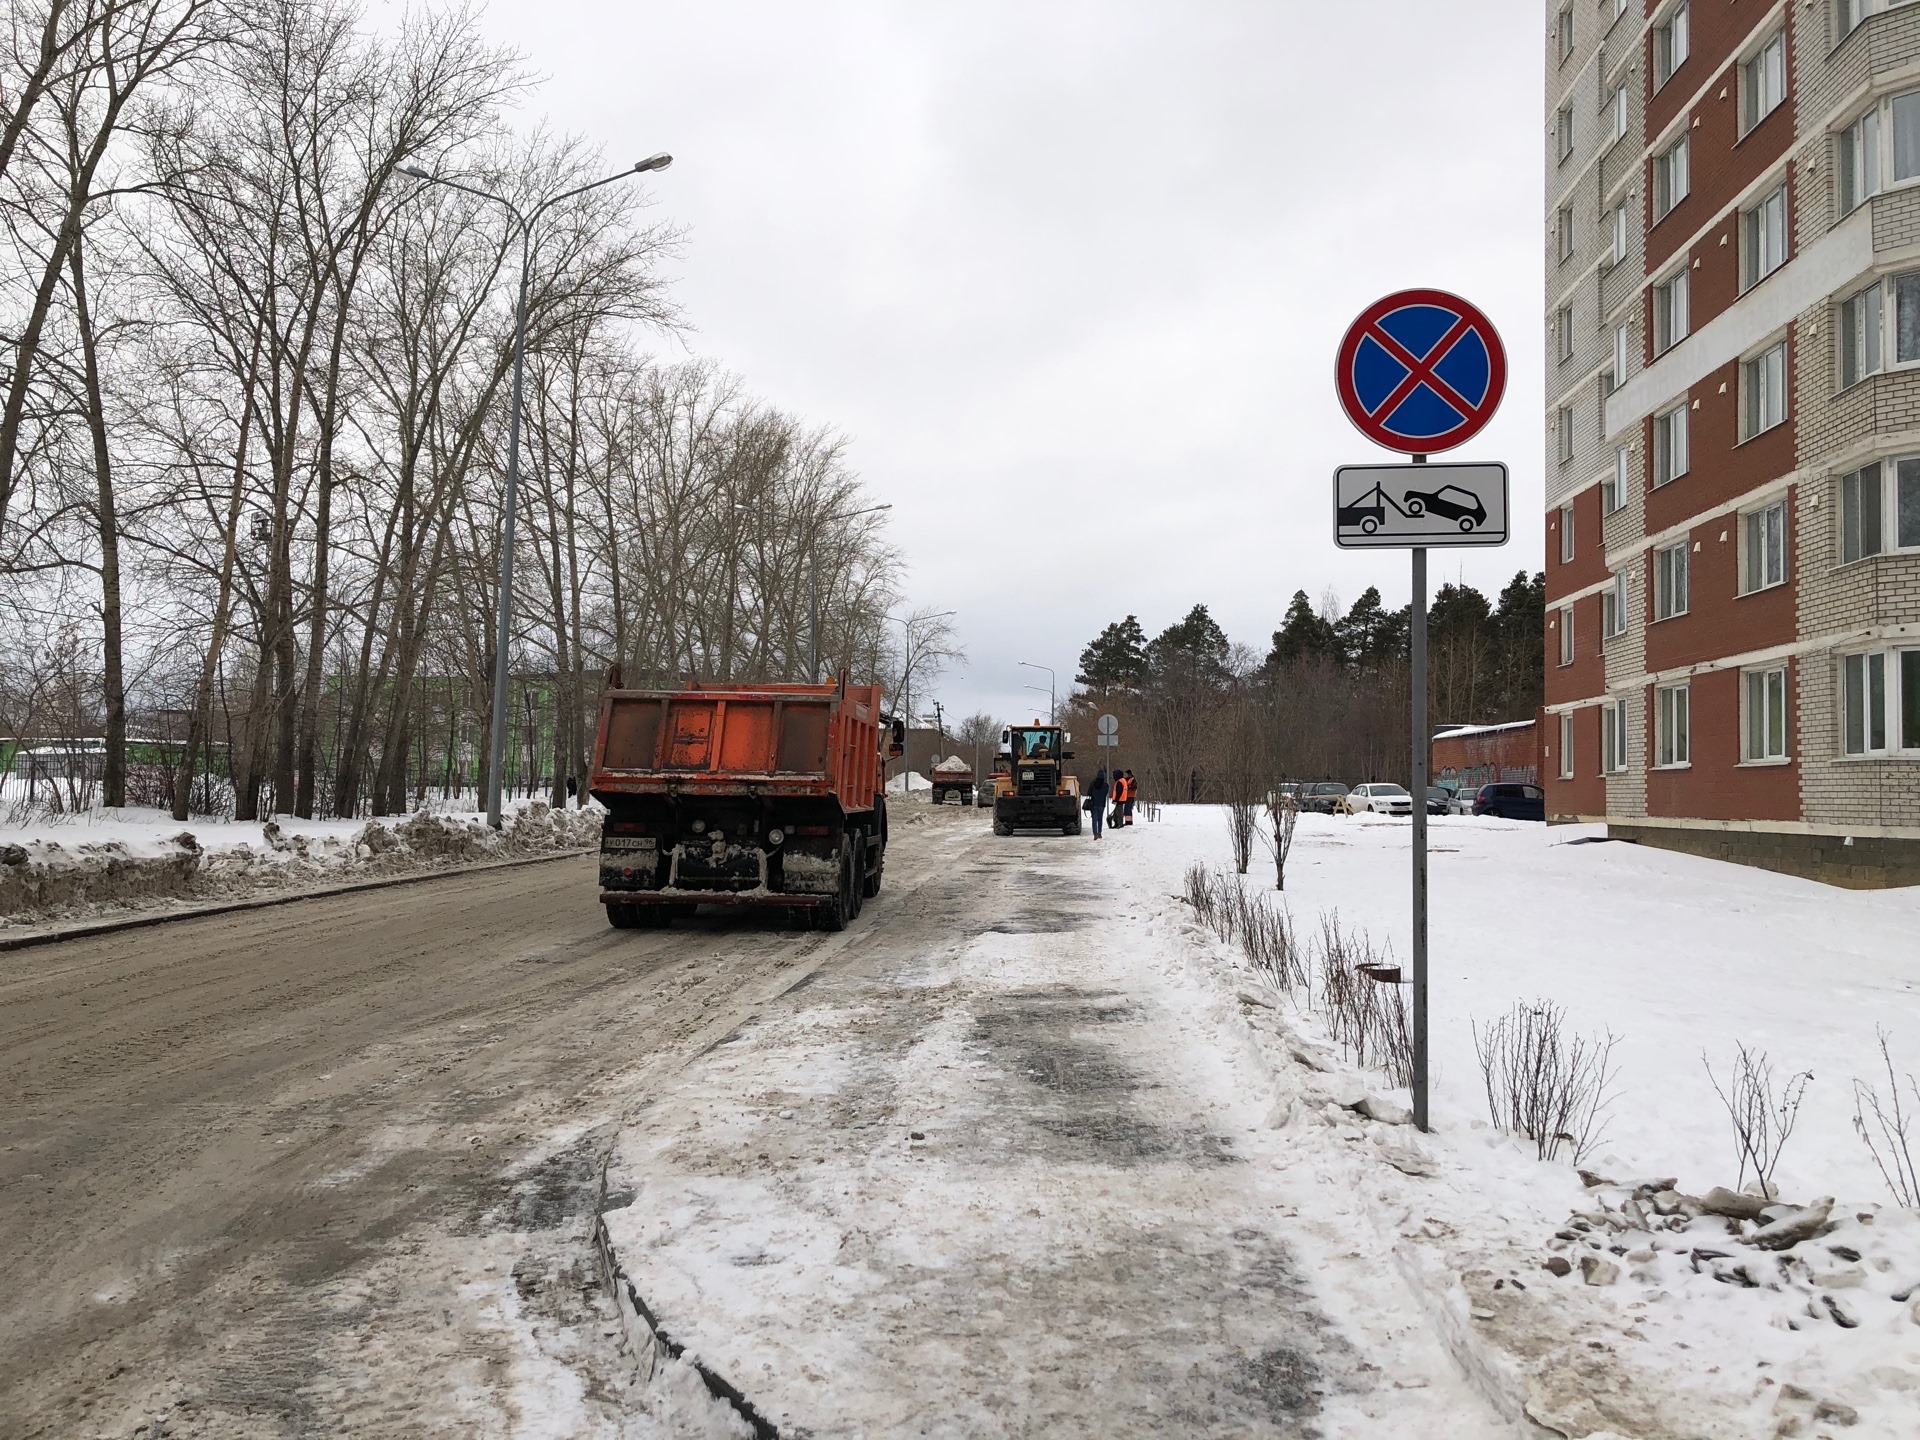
x=1716 y=786
x=1587 y=675
x=1719 y=620
x=1514 y=749
x=1589 y=563
x=1719 y=465
x=1586 y=792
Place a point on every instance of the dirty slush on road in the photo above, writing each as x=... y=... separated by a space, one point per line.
x=952 y=1171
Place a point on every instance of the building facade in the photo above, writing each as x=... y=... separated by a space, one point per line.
x=1733 y=429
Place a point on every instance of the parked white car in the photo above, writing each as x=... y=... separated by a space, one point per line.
x=1381 y=799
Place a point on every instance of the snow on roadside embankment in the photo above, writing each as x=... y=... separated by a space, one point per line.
x=1682 y=1322
x=98 y=864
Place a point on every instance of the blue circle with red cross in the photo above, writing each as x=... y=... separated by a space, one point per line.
x=1421 y=371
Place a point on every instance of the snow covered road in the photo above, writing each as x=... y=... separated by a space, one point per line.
x=1006 y=1170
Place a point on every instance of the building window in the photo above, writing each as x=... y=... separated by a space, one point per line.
x=1846 y=15
x=1904 y=114
x=1566 y=534
x=1669 y=177
x=1763 y=544
x=1613 y=607
x=1766 y=79
x=1613 y=737
x=1563 y=329
x=1620 y=355
x=1860 y=160
x=1878 y=503
x=1670 y=312
x=1563 y=132
x=1861 y=345
x=1566 y=747
x=1764 y=697
x=1566 y=635
x=1670 y=581
x=1764 y=238
x=1563 y=27
x=1763 y=385
x=1613 y=489
x=1617 y=115
x=1565 y=427
x=1672 y=744
x=1565 y=225
x=1669 y=46
x=1670 y=445
x=1864 y=699
x=1619 y=233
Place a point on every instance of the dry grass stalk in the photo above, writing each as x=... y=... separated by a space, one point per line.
x=1542 y=1082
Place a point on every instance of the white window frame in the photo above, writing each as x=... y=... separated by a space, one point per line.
x=1617 y=114
x=1763 y=391
x=1620 y=234
x=1673 y=726
x=1565 y=426
x=1672 y=310
x=1567 y=653
x=1879 y=695
x=1563 y=329
x=1672 y=43
x=1763 y=81
x=1672 y=180
x=1880 y=509
x=1613 y=737
x=1672 y=580
x=1764 y=716
x=1613 y=608
x=1563 y=34
x=1670 y=445
x=1566 y=746
x=1622 y=353
x=1565 y=223
x=1566 y=534
x=1862 y=334
x=1763 y=548
x=1858 y=161
x=1613 y=492
x=1763 y=237
x=1563 y=133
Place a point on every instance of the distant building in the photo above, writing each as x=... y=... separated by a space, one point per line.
x=1733 y=429
x=1476 y=755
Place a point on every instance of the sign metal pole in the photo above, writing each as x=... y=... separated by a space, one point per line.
x=1421 y=758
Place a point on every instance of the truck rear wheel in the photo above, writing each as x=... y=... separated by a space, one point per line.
x=835 y=916
x=637 y=917
x=1001 y=827
x=857 y=881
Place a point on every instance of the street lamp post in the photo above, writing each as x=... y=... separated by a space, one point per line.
x=497 y=741
x=1050 y=685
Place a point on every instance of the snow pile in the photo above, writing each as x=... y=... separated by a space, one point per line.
x=135 y=858
x=1636 y=1296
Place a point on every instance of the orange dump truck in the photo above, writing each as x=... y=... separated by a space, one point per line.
x=770 y=796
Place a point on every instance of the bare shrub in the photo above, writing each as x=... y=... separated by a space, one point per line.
x=1367 y=1018
x=1265 y=935
x=1887 y=1138
x=1198 y=892
x=1283 y=816
x=1243 y=823
x=1542 y=1082
x=1762 y=1121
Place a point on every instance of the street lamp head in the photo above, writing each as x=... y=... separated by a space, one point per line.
x=654 y=162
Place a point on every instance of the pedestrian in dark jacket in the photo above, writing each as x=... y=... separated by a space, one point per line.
x=1097 y=793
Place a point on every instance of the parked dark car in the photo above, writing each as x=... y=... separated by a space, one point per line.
x=1320 y=799
x=1439 y=800
x=1511 y=802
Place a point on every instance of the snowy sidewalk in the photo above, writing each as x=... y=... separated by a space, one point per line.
x=1008 y=1171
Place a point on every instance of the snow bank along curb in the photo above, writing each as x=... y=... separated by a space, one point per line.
x=1596 y=1308
x=44 y=880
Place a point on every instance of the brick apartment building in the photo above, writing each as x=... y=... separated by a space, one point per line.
x=1733 y=428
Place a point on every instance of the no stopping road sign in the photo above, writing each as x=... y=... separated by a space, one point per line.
x=1421 y=371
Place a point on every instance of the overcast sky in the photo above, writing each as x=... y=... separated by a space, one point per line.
x=1071 y=276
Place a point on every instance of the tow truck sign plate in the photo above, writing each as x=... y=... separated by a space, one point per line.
x=1397 y=507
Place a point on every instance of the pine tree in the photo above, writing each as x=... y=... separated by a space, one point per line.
x=1304 y=635
x=1116 y=659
